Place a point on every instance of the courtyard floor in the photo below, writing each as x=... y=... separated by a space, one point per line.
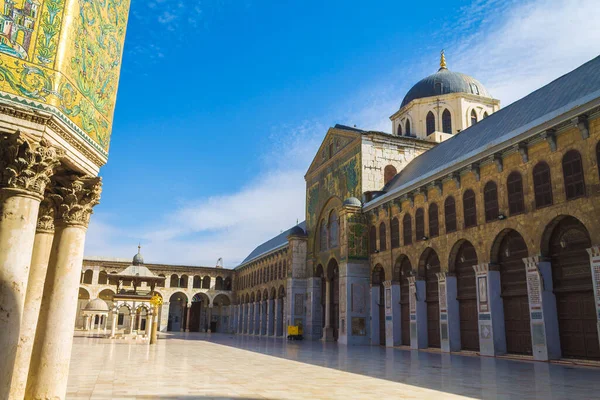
x=218 y=366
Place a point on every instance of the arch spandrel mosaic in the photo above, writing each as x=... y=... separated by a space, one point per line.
x=64 y=57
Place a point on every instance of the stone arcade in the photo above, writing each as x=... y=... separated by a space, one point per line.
x=469 y=228
x=56 y=110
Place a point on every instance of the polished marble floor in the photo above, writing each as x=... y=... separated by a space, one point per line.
x=200 y=366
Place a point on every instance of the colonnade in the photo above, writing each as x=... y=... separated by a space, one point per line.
x=260 y=318
x=90 y=324
x=43 y=224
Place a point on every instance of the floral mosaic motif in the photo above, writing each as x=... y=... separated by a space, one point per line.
x=84 y=89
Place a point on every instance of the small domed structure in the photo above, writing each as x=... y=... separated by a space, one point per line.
x=352 y=201
x=138 y=259
x=296 y=230
x=96 y=305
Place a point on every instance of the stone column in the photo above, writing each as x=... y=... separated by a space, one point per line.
x=25 y=170
x=154 y=332
x=393 y=330
x=261 y=318
x=492 y=336
x=149 y=324
x=418 y=313
x=594 y=253
x=256 y=318
x=209 y=317
x=277 y=317
x=113 y=327
x=187 y=317
x=328 y=331
x=270 y=318
x=138 y=326
x=545 y=338
x=164 y=317
x=74 y=197
x=85 y=322
x=449 y=313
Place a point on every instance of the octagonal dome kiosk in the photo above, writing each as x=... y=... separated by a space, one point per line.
x=95 y=316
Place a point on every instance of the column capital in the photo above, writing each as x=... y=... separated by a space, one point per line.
x=26 y=166
x=594 y=251
x=46 y=215
x=485 y=267
x=74 y=197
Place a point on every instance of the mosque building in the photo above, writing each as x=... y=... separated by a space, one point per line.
x=469 y=228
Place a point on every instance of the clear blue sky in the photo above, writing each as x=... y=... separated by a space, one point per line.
x=222 y=103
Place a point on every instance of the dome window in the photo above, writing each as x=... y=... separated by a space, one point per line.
x=446 y=121
x=407 y=130
x=430 y=123
x=438 y=87
x=474 y=89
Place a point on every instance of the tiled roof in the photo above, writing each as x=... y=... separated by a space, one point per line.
x=272 y=244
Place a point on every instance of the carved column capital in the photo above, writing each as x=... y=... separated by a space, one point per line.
x=45 y=222
x=75 y=197
x=26 y=166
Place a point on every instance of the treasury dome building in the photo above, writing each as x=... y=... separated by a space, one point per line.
x=469 y=228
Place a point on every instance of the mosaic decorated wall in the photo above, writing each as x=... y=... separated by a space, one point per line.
x=64 y=56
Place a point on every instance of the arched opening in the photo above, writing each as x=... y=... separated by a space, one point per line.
x=373 y=239
x=113 y=279
x=227 y=283
x=450 y=214
x=183 y=281
x=573 y=287
x=161 y=283
x=323 y=236
x=407 y=229
x=389 y=172
x=102 y=278
x=420 y=224
x=470 y=208
x=446 y=122
x=473 y=117
x=429 y=266
x=87 y=277
x=320 y=273
x=407 y=130
x=177 y=312
x=395 y=233
x=465 y=258
x=334 y=301
x=199 y=313
x=219 y=283
x=514 y=188
x=573 y=175
x=196 y=282
x=377 y=279
x=542 y=185
x=490 y=201
x=399 y=130
x=513 y=280
x=219 y=318
x=333 y=229
x=174 y=281
x=382 y=237
x=598 y=156
x=281 y=323
x=434 y=225
x=206 y=282
x=403 y=264
x=430 y=123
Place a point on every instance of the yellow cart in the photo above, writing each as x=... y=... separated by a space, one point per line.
x=294 y=332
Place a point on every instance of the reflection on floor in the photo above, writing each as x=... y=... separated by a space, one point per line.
x=201 y=366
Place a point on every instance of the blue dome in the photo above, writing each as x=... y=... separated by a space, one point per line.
x=352 y=201
x=444 y=82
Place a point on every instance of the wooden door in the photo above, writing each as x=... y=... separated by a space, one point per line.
x=467 y=297
x=573 y=287
x=514 y=294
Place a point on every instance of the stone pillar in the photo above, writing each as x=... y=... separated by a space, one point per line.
x=209 y=317
x=25 y=170
x=149 y=322
x=375 y=314
x=328 y=331
x=270 y=318
x=393 y=332
x=492 y=337
x=418 y=313
x=545 y=338
x=86 y=321
x=187 y=317
x=256 y=318
x=250 y=318
x=164 y=317
x=138 y=327
x=277 y=317
x=594 y=253
x=449 y=313
x=260 y=318
x=113 y=327
x=75 y=197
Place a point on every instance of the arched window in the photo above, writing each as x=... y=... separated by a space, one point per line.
x=490 y=201
x=382 y=237
x=573 y=175
x=197 y=282
x=470 y=208
x=407 y=130
x=183 y=281
x=174 y=281
x=598 y=156
x=473 y=117
x=161 y=283
x=434 y=225
x=206 y=281
x=333 y=229
x=102 y=278
x=284 y=269
x=514 y=187
x=420 y=224
x=87 y=277
x=395 y=228
x=430 y=123
x=446 y=121
x=450 y=214
x=485 y=115
x=373 y=239
x=389 y=172
x=323 y=234
x=400 y=129
x=407 y=229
